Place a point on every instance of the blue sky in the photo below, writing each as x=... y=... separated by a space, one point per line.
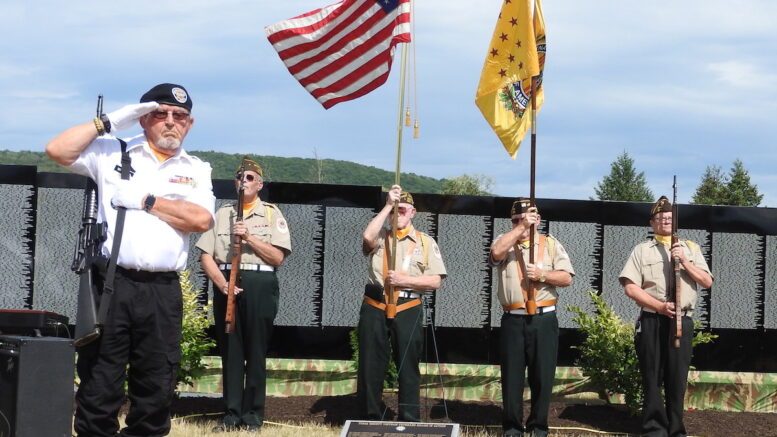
x=678 y=85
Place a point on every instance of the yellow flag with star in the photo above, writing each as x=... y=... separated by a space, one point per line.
x=515 y=55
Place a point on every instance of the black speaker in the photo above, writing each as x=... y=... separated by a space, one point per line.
x=36 y=382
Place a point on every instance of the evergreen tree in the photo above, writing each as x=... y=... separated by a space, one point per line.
x=624 y=183
x=712 y=188
x=739 y=190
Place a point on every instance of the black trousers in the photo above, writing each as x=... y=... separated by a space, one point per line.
x=406 y=336
x=143 y=329
x=527 y=342
x=663 y=366
x=244 y=351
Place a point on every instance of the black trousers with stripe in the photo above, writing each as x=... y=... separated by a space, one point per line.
x=663 y=367
x=143 y=329
x=244 y=352
x=527 y=342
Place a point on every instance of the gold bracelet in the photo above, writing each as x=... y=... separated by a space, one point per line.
x=100 y=126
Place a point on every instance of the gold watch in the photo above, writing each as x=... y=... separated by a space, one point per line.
x=542 y=276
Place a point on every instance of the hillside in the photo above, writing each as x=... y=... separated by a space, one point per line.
x=275 y=168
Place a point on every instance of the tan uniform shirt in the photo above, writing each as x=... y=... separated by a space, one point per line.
x=425 y=259
x=555 y=258
x=265 y=221
x=649 y=266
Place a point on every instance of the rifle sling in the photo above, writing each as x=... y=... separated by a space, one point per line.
x=110 y=274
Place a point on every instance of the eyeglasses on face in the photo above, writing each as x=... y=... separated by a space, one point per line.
x=161 y=114
x=248 y=177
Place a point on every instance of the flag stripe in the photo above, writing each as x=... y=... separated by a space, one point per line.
x=343 y=51
x=318 y=52
x=363 y=70
x=347 y=59
x=333 y=27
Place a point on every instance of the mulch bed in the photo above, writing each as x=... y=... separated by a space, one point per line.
x=335 y=410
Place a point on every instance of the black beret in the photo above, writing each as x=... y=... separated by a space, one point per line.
x=169 y=94
x=662 y=205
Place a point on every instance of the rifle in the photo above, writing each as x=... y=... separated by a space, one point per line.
x=234 y=272
x=675 y=280
x=87 y=259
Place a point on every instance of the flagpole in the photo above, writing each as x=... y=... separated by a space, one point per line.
x=390 y=296
x=532 y=198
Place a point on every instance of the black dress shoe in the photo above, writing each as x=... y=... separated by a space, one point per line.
x=253 y=428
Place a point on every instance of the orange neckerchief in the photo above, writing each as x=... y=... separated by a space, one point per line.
x=402 y=233
x=161 y=155
x=666 y=240
x=248 y=207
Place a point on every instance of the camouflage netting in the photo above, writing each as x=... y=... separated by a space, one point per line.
x=724 y=391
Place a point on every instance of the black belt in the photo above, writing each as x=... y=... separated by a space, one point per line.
x=145 y=276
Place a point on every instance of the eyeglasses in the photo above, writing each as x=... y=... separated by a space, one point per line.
x=177 y=115
x=400 y=210
x=248 y=177
x=663 y=219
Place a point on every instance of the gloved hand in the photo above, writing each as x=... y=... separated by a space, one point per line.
x=129 y=194
x=125 y=117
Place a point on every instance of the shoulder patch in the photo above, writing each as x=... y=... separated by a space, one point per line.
x=280 y=223
x=437 y=251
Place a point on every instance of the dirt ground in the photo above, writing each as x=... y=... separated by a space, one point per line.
x=334 y=410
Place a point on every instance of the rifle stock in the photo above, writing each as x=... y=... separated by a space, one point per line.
x=234 y=272
x=677 y=281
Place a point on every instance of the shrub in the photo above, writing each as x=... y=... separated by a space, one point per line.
x=392 y=376
x=607 y=354
x=195 y=343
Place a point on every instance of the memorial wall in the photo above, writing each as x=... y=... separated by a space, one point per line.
x=323 y=280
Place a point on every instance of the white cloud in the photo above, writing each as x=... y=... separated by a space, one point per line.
x=740 y=74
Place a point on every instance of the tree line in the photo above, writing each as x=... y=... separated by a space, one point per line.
x=623 y=183
x=734 y=188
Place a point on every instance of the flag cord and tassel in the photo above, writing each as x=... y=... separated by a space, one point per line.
x=414 y=78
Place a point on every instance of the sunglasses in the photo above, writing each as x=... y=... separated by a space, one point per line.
x=247 y=177
x=177 y=116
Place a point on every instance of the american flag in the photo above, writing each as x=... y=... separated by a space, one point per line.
x=342 y=51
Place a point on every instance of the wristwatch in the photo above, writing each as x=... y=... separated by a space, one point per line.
x=149 y=203
x=542 y=276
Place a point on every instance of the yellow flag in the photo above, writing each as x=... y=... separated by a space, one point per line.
x=516 y=54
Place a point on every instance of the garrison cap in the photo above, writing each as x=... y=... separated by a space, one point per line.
x=169 y=94
x=662 y=205
x=249 y=164
x=521 y=205
x=406 y=197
